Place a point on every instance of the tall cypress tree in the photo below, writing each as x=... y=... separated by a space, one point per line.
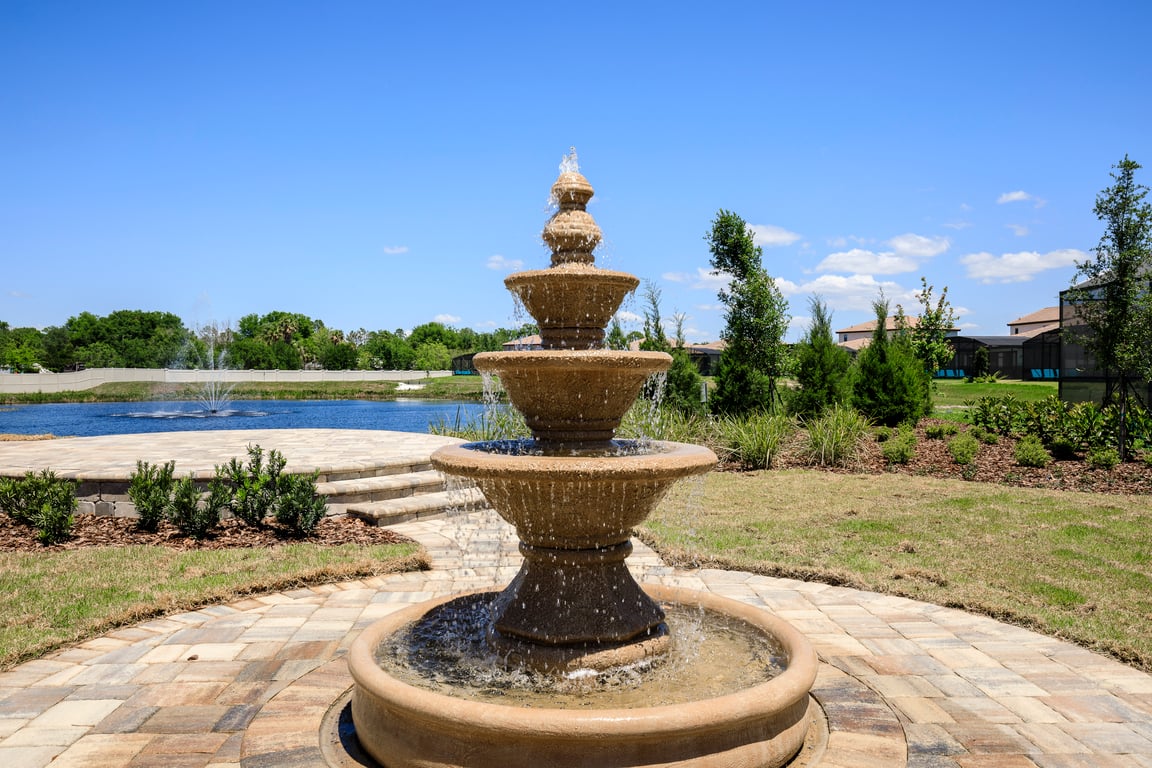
x=821 y=367
x=889 y=384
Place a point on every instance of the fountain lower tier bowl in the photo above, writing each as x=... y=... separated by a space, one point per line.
x=574 y=501
x=572 y=395
x=761 y=726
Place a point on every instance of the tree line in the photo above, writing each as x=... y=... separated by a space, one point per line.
x=274 y=341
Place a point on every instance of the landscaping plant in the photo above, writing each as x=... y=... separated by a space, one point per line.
x=150 y=490
x=41 y=500
x=298 y=507
x=834 y=438
x=254 y=486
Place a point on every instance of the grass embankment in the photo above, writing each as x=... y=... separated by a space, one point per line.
x=1072 y=565
x=54 y=598
x=440 y=388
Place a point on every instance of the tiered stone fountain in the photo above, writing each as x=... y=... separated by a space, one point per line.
x=574 y=495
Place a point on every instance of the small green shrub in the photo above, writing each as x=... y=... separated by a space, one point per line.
x=298 y=507
x=1103 y=458
x=753 y=439
x=882 y=434
x=1062 y=448
x=9 y=495
x=984 y=436
x=57 y=512
x=196 y=518
x=834 y=438
x=1030 y=452
x=963 y=448
x=901 y=448
x=940 y=431
x=42 y=500
x=254 y=486
x=150 y=489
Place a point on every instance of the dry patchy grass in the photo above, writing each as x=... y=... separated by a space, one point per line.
x=1073 y=565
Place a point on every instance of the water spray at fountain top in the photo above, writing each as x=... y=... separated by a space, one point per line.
x=570 y=164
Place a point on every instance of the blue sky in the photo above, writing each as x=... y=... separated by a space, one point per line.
x=384 y=164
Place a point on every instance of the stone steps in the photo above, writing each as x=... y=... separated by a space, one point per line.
x=418 y=506
x=381 y=487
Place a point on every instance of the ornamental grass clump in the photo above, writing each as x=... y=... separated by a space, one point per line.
x=834 y=438
x=754 y=440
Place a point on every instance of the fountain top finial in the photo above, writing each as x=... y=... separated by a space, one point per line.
x=571 y=233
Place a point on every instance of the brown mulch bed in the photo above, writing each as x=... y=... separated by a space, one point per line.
x=102 y=531
x=993 y=464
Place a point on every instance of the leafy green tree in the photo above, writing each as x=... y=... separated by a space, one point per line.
x=433 y=332
x=929 y=334
x=432 y=356
x=341 y=356
x=99 y=355
x=1112 y=293
x=821 y=367
x=755 y=321
x=21 y=349
x=388 y=351
x=889 y=384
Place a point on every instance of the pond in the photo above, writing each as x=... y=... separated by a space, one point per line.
x=89 y=419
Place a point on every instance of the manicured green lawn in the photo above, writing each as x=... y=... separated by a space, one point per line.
x=1073 y=565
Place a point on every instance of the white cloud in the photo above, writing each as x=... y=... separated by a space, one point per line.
x=395 y=250
x=704 y=278
x=772 y=236
x=1018 y=267
x=1019 y=196
x=446 y=319
x=862 y=261
x=499 y=263
x=919 y=246
x=848 y=292
x=958 y=224
x=1020 y=230
x=627 y=318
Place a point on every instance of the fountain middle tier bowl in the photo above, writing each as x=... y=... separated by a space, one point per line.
x=574 y=501
x=572 y=303
x=761 y=726
x=573 y=395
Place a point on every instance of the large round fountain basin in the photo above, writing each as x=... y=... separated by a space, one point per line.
x=572 y=395
x=574 y=502
x=763 y=726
